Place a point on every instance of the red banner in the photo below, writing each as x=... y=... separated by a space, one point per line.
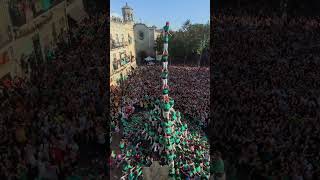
x=4 y=58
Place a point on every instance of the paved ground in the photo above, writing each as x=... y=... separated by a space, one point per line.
x=116 y=173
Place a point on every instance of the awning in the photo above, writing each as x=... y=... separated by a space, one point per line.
x=149 y=58
x=77 y=14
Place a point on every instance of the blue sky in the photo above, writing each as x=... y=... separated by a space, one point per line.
x=157 y=12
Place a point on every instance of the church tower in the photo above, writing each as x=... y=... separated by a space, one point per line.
x=127 y=13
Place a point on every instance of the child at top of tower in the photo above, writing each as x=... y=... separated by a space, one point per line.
x=166 y=29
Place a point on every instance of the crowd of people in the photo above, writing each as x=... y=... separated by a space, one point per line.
x=140 y=144
x=189 y=86
x=53 y=125
x=142 y=141
x=266 y=96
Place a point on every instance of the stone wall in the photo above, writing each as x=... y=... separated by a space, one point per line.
x=156 y=172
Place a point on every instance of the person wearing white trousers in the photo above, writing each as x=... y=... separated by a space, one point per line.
x=155 y=147
x=165 y=82
x=165 y=65
x=166 y=114
x=165 y=46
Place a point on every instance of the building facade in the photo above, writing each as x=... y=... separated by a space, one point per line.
x=122 y=46
x=145 y=39
x=27 y=35
x=6 y=52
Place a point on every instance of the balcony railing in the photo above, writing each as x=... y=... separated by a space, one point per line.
x=122 y=64
x=70 y=2
x=6 y=42
x=115 y=45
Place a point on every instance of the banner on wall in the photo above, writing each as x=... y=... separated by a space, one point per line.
x=4 y=58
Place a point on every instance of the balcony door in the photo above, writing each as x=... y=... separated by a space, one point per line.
x=37 y=49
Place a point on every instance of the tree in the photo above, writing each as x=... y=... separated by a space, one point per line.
x=200 y=49
x=159 y=43
x=185 y=28
x=200 y=34
x=186 y=25
x=189 y=39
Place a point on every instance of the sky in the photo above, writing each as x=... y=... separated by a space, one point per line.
x=157 y=12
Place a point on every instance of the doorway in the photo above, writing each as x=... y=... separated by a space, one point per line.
x=37 y=49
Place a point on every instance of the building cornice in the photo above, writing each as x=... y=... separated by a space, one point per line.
x=150 y=28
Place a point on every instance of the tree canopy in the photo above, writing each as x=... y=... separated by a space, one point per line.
x=190 y=39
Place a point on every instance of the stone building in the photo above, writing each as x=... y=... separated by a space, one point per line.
x=145 y=38
x=28 y=35
x=6 y=52
x=131 y=41
x=122 y=46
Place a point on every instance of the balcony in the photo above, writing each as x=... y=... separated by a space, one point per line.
x=115 y=45
x=70 y=2
x=122 y=64
x=5 y=40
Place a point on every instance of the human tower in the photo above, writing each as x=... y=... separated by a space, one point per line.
x=169 y=114
x=163 y=132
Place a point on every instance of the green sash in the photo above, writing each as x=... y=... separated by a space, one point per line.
x=165 y=91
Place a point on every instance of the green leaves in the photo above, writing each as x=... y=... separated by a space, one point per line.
x=159 y=44
x=191 y=38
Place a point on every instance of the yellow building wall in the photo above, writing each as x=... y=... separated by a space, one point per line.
x=9 y=67
x=46 y=31
x=24 y=45
x=125 y=29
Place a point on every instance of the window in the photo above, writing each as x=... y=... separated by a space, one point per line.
x=131 y=56
x=54 y=32
x=141 y=35
x=129 y=38
x=115 y=63
x=114 y=56
x=117 y=38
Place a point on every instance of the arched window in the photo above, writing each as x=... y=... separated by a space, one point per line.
x=129 y=38
x=141 y=35
x=115 y=63
x=117 y=38
x=131 y=56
